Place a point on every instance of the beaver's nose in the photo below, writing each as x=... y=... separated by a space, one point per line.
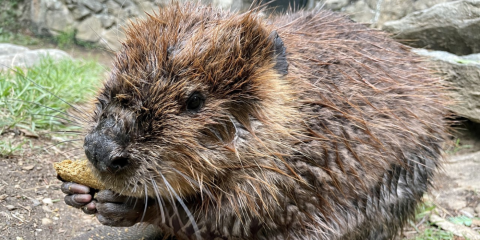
x=105 y=149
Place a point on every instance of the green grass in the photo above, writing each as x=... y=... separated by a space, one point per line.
x=17 y=38
x=466 y=61
x=433 y=233
x=28 y=105
x=65 y=39
x=426 y=230
x=9 y=147
x=462 y=220
x=10 y=13
x=457 y=147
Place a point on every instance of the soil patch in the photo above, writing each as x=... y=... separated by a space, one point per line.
x=31 y=203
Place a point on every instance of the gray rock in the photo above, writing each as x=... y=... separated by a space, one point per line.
x=464 y=73
x=46 y=222
x=377 y=12
x=89 y=29
x=477 y=209
x=6 y=49
x=58 y=18
x=456 y=229
x=106 y=20
x=146 y=7
x=451 y=27
x=464 y=170
x=452 y=199
x=160 y=2
x=54 y=5
x=3 y=197
x=386 y=10
x=449 y=57
x=48 y=17
x=47 y=201
x=124 y=3
x=336 y=5
x=130 y=11
x=424 y=4
x=35 y=202
x=122 y=12
x=112 y=7
x=468 y=211
x=234 y=5
x=472 y=57
x=360 y=12
x=93 y=5
x=29 y=58
x=239 y=5
x=71 y=2
x=459 y=176
x=80 y=12
x=91 y=18
x=11 y=207
x=112 y=38
x=225 y=4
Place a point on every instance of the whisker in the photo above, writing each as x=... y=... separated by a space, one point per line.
x=66 y=131
x=155 y=188
x=36 y=151
x=171 y=200
x=187 y=211
x=74 y=149
x=62 y=142
x=195 y=183
x=73 y=123
x=135 y=203
x=146 y=204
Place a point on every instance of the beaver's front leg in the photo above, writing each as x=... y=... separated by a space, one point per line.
x=109 y=207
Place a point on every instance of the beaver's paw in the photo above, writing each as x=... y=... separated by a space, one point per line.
x=79 y=196
x=110 y=208
x=116 y=210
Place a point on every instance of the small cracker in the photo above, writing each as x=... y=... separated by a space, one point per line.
x=79 y=172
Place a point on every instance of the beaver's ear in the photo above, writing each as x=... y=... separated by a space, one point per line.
x=279 y=50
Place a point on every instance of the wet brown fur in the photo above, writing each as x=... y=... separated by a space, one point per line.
x=342 y=147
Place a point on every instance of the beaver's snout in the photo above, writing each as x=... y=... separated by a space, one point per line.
x=105 y=146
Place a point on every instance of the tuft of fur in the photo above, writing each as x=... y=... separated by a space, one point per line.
x=341 y=145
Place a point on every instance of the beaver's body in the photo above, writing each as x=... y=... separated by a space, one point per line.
x=327 y=130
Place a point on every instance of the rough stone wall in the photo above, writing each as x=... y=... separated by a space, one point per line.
x=100 y=21
x=377 y=12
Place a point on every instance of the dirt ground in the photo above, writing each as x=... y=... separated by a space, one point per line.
x=31 y=203
x=32 y=207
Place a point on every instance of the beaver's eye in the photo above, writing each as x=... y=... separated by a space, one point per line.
x=195 y=102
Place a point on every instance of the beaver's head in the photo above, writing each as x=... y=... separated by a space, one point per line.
x=196 y=98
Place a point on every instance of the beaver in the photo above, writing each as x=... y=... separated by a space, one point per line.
x=221 y=125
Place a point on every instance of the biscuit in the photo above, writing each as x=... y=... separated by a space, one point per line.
x=79 y=172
